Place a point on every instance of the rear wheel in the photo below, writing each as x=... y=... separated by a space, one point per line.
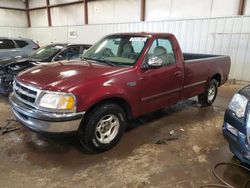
x=102 y=128
x=207 y=98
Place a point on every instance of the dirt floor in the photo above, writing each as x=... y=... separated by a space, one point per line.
x=143 y=158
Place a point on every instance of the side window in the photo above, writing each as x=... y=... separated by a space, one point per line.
x=73 y=53
x=21 y=43
x=167 y=44
x=137 y=46
x=162 y=48
x=151 y=50
x=69 y=53
x=7 y=44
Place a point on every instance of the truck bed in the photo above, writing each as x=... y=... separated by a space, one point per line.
x=190 y=57
x=200 y=68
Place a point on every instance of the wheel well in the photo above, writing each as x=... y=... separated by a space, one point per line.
x=217 y=77
x=115 y=100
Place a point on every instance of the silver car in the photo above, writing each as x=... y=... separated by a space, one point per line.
x=16 y=47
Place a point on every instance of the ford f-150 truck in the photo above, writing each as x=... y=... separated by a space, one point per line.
x=120 y=78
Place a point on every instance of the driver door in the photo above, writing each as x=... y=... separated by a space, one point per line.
x=160 y=86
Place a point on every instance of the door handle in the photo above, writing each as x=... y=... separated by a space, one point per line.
x=178 y=74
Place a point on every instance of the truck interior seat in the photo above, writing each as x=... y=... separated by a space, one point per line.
x=161 y=52
x=127 y=50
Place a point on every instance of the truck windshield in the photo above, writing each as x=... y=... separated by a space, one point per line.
x=46 y=52
x=117 y=50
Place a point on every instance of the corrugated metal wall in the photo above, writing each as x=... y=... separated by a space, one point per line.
x=228 y=36
x=13 y=31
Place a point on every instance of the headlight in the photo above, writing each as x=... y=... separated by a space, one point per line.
x=57 y=101
x=238 y=105
x=248 y=127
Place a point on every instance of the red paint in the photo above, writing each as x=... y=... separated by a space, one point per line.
x=154 y=89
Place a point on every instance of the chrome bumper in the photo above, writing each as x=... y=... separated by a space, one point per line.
x=40 y=121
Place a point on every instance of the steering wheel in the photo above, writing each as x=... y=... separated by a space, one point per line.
x=132 y=56
x=107 y=52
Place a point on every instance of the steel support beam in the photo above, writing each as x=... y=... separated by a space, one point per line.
x=57 y=5
x=241 y=7
x=27 y=13
x=48 y=13
x=11 y=8
x=143 y=5
x=86 y=15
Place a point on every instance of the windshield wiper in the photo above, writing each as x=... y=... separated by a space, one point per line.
x=110 y=63
x=107 y=62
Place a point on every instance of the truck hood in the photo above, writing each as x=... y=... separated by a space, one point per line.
x=63 y=76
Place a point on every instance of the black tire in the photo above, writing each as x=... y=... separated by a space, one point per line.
x=90 y=135
x=207 y=98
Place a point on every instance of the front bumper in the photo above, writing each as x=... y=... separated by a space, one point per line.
x=238 y=145
x=44 y=122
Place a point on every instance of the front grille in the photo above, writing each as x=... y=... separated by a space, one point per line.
x=27 y=94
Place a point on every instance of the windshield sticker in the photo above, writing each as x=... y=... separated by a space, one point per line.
x=139 y=39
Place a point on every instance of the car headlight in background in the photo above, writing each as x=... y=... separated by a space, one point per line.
x=57 y=101
x=248 y=127
x=238 y=105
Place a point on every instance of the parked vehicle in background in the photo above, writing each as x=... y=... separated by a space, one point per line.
x=122 y=77
x=9 y=68
x=236 y=127
x=16 y=47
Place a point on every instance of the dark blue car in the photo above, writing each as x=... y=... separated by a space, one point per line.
x=236 y=127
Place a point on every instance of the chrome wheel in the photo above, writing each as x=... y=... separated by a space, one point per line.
x=107 y=128
x=211 y=93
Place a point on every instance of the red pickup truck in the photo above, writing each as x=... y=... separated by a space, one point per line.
x=120 y=78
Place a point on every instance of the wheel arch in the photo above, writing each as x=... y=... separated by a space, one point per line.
x=217 y=77
x=114 y=100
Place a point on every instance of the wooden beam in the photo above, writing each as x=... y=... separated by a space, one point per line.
x=27 y=12
x=241 y=7
x=143 y=4
x=86 y=16
x=48 y=13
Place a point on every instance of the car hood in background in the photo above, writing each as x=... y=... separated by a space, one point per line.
x=8 y=61
x=245 y=91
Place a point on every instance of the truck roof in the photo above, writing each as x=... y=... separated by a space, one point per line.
x=148 y=34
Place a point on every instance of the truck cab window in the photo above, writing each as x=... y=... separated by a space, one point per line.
x=162 y=48
x=119 y=50
x=113 y=46
x=69 y=53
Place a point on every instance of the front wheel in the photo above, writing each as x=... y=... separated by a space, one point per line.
x=102 y=128
x=207 y=98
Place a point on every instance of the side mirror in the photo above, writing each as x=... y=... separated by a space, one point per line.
x=155 y=62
